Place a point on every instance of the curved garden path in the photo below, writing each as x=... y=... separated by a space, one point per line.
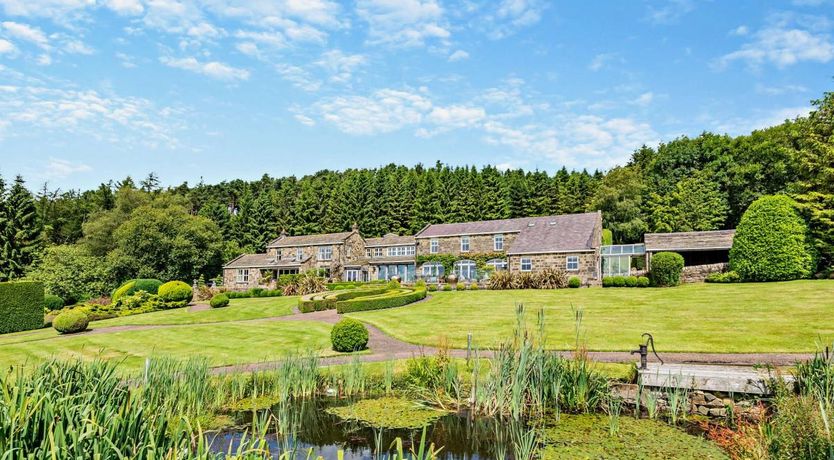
x=383 y=347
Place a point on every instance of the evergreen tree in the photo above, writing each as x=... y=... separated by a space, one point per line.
x=21 y=226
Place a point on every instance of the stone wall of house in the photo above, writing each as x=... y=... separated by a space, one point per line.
x=354 y=248
x=698 y=273
x=230 y=279
x=478 y=244
x=588 y=270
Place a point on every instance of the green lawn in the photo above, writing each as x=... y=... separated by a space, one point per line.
x=226 y=343
x=728 y=318
x=238 y=309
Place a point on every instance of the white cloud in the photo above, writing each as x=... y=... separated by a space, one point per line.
x=57 y=168
x=384 y=111
x=340 y=65
x=601 y=60
x=304 y=119
x=511 y=15
x=204 y=30
x=272 y=39
x=779 y=90
x=29 y=109
x=759 y=119
x=58 y=10
x=644 y=99
x=126 y=60
x=670 y=12
x=403 y=22
x=7 y=47
x=126 y=7
x=213 y=69
x=786 y=41
x=298 y=76
x=741 y=31
x=44 y=59
x=458 y=55
x=27 y=33
x=77 y=47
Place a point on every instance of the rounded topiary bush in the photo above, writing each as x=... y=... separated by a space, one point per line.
x=149 y=285
x=53 y=302
x=349 y=335
x=607 y=281
x=642 y=281
x=771 y=242
x=175 y=291
x=618 y=281
x=219 y=301
x=70 y=322
x=631 y=281
x=666 y=269
x=574 y=282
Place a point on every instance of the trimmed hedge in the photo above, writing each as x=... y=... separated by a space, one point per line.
x=254 y=292
x=643 y=281
x=726 y=277
x=52 y=302
x=390 y=300
x=328 y=300
x=149 y=285
x=71 y=322
x=666 y=269
x=21 y=306
x=219 y=301
x=771 y=242
x=349 y=335
x=175 y=291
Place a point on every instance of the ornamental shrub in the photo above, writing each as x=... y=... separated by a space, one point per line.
x=21 y=306
x=219 y=301
x=52 y=302
x=642 y=281
x=447 y=287
x=618 y=281
x=149 y=285
x=420 y=284
x=432 y=287
x=607 y=281
x=574 y=282
x=460 y=287
x=771 y=242
x=71 y=322
x=631 y=281
x=666 y=269
x=726 y=277
x=473 y=287
x=349 y=335
x=175 y=291
x=393 y=284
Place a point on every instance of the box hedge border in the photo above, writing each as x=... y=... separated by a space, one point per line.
x=21 y=306
x=328 y=300
x=397 y=299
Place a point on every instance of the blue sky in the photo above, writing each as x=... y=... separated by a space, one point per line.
x=92 y=90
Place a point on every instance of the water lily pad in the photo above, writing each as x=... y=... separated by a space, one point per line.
x=391 y=413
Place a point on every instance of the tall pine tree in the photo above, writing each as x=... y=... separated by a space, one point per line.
x=20 y=243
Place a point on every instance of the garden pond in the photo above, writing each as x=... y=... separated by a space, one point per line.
x=328 y=426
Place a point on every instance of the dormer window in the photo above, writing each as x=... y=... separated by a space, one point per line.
x=498 y=242
x=299 y=254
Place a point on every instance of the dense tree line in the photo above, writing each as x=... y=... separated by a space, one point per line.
x=700 y=183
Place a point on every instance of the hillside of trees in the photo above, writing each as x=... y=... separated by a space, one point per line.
x=126 y=229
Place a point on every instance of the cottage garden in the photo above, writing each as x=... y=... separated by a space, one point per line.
x=423 y=370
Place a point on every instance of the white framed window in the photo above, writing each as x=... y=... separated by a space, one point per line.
x=526 y=264
x=349 y=252
x=400 y=251
x=325 y=252
x=352 y=275
x=377 y=252
x=432 y=269
x=279 y=254
x=464 y=244
x=299 y=254
x=497 y=264
x=572 y=263
x=498 y=242
x=434 y=246
x=367 y=252
x=242 y=275
x=465 y=269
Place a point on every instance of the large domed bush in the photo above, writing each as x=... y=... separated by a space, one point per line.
x=53 y=302
x=175 y=291
x=349 y=335
x=149 y=285
x=219 y=301
x=771 y=242
x=70 y=322
x=666 y=269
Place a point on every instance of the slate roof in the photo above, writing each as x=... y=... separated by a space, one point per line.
x=689 y=241
x=536 y=235
x=260 y=261
x=309 y=240
x=390 y=239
